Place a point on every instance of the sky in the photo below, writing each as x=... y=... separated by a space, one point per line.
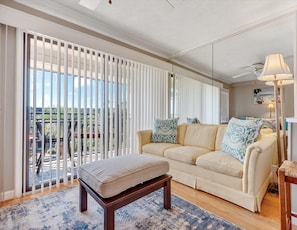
x=87 y=90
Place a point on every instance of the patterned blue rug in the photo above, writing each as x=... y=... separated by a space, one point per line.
x=59 y=210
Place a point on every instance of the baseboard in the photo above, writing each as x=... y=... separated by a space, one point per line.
x=8 y=195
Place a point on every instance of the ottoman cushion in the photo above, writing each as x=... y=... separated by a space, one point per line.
x=112 y=176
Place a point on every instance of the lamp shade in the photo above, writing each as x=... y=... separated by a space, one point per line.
x=275 y=68
x=270 y=106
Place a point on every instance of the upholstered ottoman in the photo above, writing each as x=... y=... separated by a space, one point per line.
x=118 y=181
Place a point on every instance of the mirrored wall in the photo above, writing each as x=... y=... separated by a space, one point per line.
x=238 y=59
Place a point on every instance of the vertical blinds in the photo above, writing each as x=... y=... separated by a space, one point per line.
x=196 y=99
x=83 y=105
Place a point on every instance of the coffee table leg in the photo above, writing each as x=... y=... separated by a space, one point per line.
x=108 y=219
x=83 y=198
x=167 y=194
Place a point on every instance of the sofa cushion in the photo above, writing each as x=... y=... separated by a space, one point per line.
x=158 y=148
x=240 y=134
x=265 y=131
x=165 y=131
x=181 y=132
x=186 y=154
x=201 y=136
x=220 y=135
x=221 y=162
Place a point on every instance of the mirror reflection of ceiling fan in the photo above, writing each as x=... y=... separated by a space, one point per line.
x=255 y=68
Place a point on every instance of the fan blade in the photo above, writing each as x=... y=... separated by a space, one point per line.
x=90 y=4
x=241 y=75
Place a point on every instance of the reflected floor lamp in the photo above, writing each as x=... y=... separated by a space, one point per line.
x=275 y=69
x=270 y=107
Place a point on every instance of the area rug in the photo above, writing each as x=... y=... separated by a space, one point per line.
x=59 y=210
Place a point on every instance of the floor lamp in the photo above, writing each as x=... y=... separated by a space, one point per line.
x=275 y=69
x=270 y=107
x=281 y=84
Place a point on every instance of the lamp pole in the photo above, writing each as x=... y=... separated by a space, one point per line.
x=281 y=86
x=277 y=122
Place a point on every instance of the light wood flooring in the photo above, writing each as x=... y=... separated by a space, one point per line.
x=268 y=218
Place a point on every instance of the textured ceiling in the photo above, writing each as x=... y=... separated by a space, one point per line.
x=214 y=37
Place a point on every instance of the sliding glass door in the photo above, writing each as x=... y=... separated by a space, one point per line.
x=83 y=105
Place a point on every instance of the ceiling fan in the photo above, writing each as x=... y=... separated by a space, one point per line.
x=91 y=4
x=255 y=68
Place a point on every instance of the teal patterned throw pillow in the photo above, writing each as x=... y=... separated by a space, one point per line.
x=165 y=131
x=194 y=120
x=240 y=134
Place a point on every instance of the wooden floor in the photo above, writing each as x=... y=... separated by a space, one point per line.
x=267 y=219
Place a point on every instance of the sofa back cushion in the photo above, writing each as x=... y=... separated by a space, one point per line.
x=201 y=136
x=220 y=135
x=181 y=131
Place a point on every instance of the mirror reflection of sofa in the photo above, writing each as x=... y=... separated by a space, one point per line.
x=197 y=160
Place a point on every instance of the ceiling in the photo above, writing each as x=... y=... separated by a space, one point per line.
x=216 y=38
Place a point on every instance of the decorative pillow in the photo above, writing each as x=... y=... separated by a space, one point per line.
x=269 y=124
x=165 y=131
x=241 y=118
x=240 y=134
x=194 y=120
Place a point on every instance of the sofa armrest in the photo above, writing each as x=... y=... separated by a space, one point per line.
x=257 y=164
x=144 y=137
x=282 y=141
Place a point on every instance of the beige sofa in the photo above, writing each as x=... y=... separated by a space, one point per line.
x=197 y=161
